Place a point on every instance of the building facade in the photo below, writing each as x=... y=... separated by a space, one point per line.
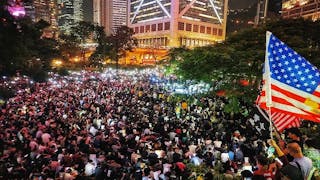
x=175 y=23
x=309 y=9
x=110 y=14
x=70 y=12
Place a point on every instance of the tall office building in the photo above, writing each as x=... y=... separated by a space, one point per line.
x=110 y=14
x=70 y=12
x=309 y=9
x=173 y=23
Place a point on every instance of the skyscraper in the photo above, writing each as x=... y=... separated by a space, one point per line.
x=110 y=13
x=174 y=23
x=309 y=9
x=70 y=12
x=44 y=10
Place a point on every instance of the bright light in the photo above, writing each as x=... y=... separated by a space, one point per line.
x=56 y=63
x=16 y=11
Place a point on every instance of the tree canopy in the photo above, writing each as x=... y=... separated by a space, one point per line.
x=235 y=65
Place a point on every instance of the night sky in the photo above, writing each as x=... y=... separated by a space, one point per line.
x=239 y=4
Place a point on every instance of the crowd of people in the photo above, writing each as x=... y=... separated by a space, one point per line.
x=119 y=125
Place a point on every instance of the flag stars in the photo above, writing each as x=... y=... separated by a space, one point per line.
x=307 y=70
x=296 y=67
x=305 y=84
x=279 y=77
x=282 y=70
x=308 y=89
x=292 y=74
x=286 y=62
x=280 y=64
x=313 y=82
x=298 y=85
x=290 y=55
x=303 y=64
x=293 y=60
x=280 y=50
x=286 y=49
x=285 y=76
x=288 y=82
x=302 y=78
x=289 y=68
x=283 y=56
x=277 y=44
x=310 y=76
x=299 y=72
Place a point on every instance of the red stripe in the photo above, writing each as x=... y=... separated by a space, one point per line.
x=283 y=121
x=316 y=93
x=287 y=93
x=306 y=117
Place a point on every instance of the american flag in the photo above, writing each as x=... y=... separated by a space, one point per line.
x=290 y=84
x=280 y=120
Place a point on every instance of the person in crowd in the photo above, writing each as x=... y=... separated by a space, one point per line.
x=299 y=167
x=93 y=125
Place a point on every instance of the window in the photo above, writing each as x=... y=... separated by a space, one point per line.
x=214 y=31
x=148 y=28
x=220 y=32
x=202 y=29
x=208 y=30
x=166 y=25
x=195 y=28
x=136 y=30
x=188 y=27
x=141 y=29
x=153 y=27
x=160 y=27
x=181 y=26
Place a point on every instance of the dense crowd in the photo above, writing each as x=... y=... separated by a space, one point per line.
x=122 y=126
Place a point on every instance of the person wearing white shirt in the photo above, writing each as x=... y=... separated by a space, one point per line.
x=90 y=168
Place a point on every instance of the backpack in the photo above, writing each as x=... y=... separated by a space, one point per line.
x=293 y=172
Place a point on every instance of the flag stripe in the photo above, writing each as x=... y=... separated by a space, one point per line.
x=282 y=121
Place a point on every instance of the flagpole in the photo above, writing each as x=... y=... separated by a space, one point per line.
x=268 y=82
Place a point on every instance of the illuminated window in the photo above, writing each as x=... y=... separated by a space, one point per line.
x=148 y=28
x=180 y=26
x=220 y=32
x=141 y=29
x=166 y=25
x=153 y=27
x=188 y=27
x=195 y=28
x=214 y=31
x=160 y=27
x=202 y=29
x=208 y=30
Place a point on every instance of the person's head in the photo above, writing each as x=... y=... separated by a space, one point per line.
x=262 y=161
x=294 y=133
x=294 y=149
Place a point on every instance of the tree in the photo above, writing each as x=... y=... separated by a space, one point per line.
x=21 y=43
x=119 y=43
x=236 y=64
